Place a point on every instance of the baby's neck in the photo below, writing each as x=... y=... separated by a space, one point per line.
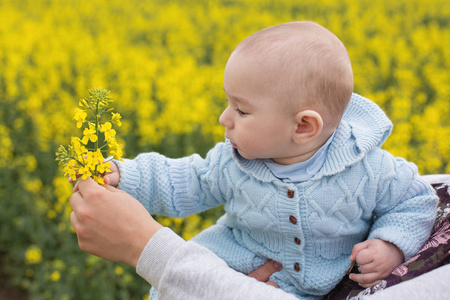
x=303 y=156
x=295 y=159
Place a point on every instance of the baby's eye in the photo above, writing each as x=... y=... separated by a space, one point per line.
x=241 y=112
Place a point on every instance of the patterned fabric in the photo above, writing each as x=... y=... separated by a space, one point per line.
x=434 y=254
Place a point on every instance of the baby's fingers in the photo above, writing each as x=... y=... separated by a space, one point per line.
x=357 y=249
x=113 y=177
x=76 y=177
x=365 y=280
x=365 y=258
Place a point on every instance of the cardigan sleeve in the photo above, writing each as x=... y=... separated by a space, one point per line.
x=175 y=187
x=406 y=206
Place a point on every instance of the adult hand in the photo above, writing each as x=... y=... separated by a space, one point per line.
x=376 y=259
x=265 y=271
x=110 y=223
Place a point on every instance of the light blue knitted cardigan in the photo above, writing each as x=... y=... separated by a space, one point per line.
x=360 y=192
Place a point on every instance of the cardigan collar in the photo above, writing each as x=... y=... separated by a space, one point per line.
x=364 y=126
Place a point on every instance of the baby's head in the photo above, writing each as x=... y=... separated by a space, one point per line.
x=310 y=67
x=296 y=66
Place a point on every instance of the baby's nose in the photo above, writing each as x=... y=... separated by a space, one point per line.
x=225 y=119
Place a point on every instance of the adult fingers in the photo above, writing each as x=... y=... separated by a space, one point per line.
x=272 y=284
x=112 y=189
x=75 y=188
x=265 y=271
x=75 y=199
x=74 y=220
x=88 y=185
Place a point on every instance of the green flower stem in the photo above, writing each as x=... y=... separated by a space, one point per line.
x=81 y=163
x=96 y=124
x=97 y=117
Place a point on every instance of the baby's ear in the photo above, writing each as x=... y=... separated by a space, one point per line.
x=309 y=125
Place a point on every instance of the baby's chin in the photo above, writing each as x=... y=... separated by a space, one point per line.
x=245 y=155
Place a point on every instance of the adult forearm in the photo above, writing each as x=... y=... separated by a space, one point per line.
x=186 y=270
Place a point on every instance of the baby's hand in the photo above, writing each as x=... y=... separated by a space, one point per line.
x=113 y=177
x=376 y=259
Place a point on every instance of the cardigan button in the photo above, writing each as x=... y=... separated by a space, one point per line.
x=296 y=267
x=290 y=194
x=293 y=220
x=297 y=241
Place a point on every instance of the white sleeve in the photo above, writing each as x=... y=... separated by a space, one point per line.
x=186 y=270
x=431 y=285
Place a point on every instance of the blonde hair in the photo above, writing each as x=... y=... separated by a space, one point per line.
x=315 y=69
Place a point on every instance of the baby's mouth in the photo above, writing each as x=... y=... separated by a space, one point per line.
x=233 y=144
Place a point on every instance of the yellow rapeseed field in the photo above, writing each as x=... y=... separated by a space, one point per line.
x=163 y=62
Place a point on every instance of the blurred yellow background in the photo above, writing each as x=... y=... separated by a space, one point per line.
x=163 y=62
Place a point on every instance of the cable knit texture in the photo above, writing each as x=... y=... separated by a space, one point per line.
x=311 y=227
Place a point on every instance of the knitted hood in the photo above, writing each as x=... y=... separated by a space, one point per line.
x=364 y=126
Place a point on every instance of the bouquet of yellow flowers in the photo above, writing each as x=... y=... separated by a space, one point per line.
x=84 y=157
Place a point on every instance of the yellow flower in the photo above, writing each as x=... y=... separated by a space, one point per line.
x=51 y=214
x=103 y=167
x=166 y=222
x=80 y=159
x=118 y=270
x=98 y=179
x=89 y=134
x=71 y=168
x=91 y=160
x=82 y=103
x=115 y=149
x=107 y=129
x=55 y=276
x=116 y=119
x=33 y=255
x=80 y=117
x=85 y=172
x=177 y=221
x=76 y=146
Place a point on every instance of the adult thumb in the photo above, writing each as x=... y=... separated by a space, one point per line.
x=84 y=184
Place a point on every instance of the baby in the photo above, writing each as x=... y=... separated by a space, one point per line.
x=301 y=174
